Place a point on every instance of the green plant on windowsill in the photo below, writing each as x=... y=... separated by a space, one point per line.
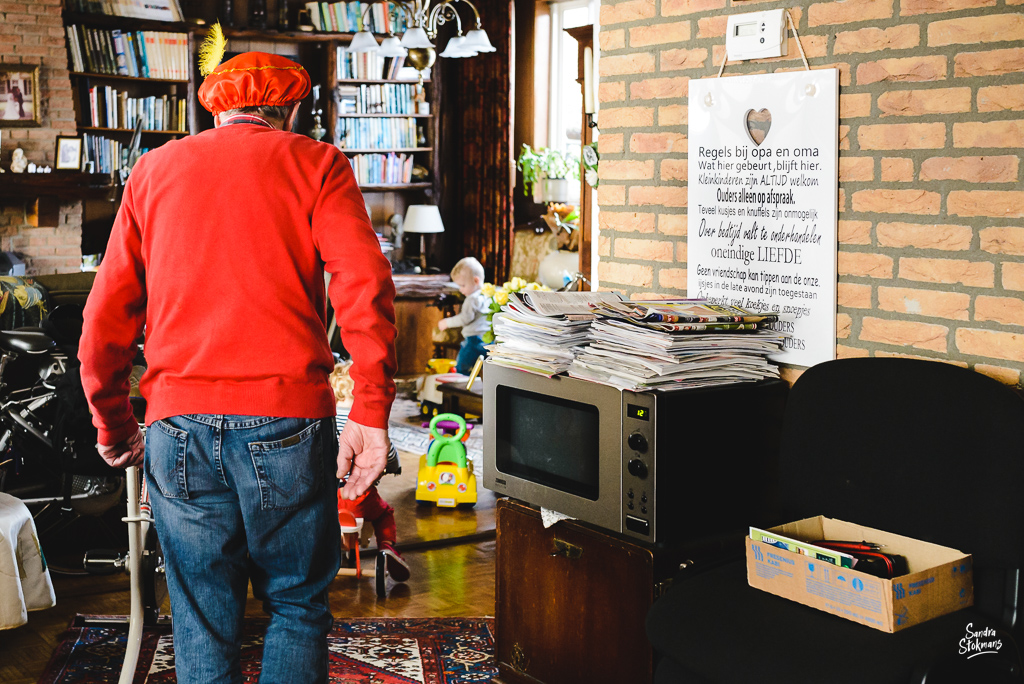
x=551 y=169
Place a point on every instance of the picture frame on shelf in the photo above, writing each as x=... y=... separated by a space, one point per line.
x=19 y=95
x=69 y=153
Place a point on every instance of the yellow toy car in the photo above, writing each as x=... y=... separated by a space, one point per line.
x=446 y=476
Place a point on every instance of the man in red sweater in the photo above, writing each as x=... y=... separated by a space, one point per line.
x=218 y=252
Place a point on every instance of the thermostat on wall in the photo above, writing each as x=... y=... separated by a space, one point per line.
x=756 y=35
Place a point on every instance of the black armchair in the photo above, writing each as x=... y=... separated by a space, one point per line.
x=922 y=449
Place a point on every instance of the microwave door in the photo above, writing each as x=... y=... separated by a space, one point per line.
x=554 y=443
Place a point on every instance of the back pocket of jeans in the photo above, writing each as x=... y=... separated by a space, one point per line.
x=166 y=447
x=289 y=470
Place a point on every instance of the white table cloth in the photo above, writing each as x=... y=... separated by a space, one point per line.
x=24 y=580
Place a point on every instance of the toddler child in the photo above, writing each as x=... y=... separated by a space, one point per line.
x=468 y=274
x=370 y=506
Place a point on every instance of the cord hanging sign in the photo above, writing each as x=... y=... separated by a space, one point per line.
x=763 y=201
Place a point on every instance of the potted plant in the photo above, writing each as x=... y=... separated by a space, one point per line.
x=547 y=173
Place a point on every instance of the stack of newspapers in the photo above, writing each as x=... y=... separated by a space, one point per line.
x=675 y=344
x=540 y=332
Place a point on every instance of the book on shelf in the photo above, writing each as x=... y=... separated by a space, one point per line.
x=141 y=54
x=103 y=155
x=382 y=169
x=350 y=17
x=110 y=107
x=376 y=134
x=368 y=65
x=377 y=98
x=155 y=10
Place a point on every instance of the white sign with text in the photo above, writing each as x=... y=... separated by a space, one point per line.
x=763 y=201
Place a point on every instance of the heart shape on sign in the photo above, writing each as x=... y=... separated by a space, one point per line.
x=758 y=123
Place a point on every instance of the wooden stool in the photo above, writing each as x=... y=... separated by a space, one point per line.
x=457 y=399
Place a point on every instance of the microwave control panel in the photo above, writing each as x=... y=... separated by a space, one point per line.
x=638 y=465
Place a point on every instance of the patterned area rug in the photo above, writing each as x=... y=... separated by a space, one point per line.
x=370 y=650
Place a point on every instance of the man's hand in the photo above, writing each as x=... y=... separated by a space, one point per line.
x=442 y=324
x=129 y=452
x=362 y=455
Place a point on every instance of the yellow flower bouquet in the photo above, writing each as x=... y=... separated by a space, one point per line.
x=499 y=298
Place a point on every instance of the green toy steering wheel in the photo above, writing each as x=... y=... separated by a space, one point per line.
x=447 y=448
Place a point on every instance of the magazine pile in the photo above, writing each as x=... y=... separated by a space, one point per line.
x=636 y=345
x=540 y=331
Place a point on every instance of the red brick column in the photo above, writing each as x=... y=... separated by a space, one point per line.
x=31 y=32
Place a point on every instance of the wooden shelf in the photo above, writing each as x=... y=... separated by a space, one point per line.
x=101 y=129
x=385 y=116
x=385 y=151
x=353 y=81
x=382 y=187
x=113 y=21
x=289 y=36
x=122 y=77
x=62 y=184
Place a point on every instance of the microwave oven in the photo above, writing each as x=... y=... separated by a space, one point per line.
x=658 y=467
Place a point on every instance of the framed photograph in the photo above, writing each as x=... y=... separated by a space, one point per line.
x=69 y=153
x=19 y=95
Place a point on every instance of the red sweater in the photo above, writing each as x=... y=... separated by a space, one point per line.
x=219 y=251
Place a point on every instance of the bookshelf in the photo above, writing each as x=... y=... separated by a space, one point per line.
x=124 y=69
x=318 y=51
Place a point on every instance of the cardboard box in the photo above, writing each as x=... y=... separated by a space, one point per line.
x=939 y=581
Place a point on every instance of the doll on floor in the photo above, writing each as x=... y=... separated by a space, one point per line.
x=370 y=506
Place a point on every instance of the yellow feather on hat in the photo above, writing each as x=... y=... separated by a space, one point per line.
x=212 y=50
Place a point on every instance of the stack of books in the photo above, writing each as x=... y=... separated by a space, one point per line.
x=676 y=344
x=142 y=54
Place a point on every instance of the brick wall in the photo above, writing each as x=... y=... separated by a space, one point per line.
x=31 y=32
x=931 y=222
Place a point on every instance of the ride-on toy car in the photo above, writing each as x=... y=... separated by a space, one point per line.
x=446 y=476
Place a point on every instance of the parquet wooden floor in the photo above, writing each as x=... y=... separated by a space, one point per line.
x=452 y=580
x=455 y=580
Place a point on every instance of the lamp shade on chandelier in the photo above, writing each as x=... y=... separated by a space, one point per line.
x=423 y=20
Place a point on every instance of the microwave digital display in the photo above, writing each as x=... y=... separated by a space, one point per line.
x=638 y=412
x=548 y=440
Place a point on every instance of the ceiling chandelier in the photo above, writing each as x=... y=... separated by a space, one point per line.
x=423 y=21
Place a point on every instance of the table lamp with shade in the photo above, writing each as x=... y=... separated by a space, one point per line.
x=423 y=219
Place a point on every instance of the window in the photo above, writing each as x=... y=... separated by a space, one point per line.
x=565 y=94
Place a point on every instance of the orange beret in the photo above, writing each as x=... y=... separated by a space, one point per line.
x=254 y=79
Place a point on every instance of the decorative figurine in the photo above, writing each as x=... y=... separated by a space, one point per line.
x=227 y=12
x=318 y=131
x=282 y=15
x=18 y=161
x=32 y=167
x=258 y=14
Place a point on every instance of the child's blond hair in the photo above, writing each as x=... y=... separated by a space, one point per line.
x=343 y=384
x=468 y=265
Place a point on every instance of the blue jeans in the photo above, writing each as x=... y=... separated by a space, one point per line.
x=472 y=348
x=239 y=499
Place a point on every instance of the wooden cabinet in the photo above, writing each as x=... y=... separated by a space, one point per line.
x=570 y=602
x=415 y=320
